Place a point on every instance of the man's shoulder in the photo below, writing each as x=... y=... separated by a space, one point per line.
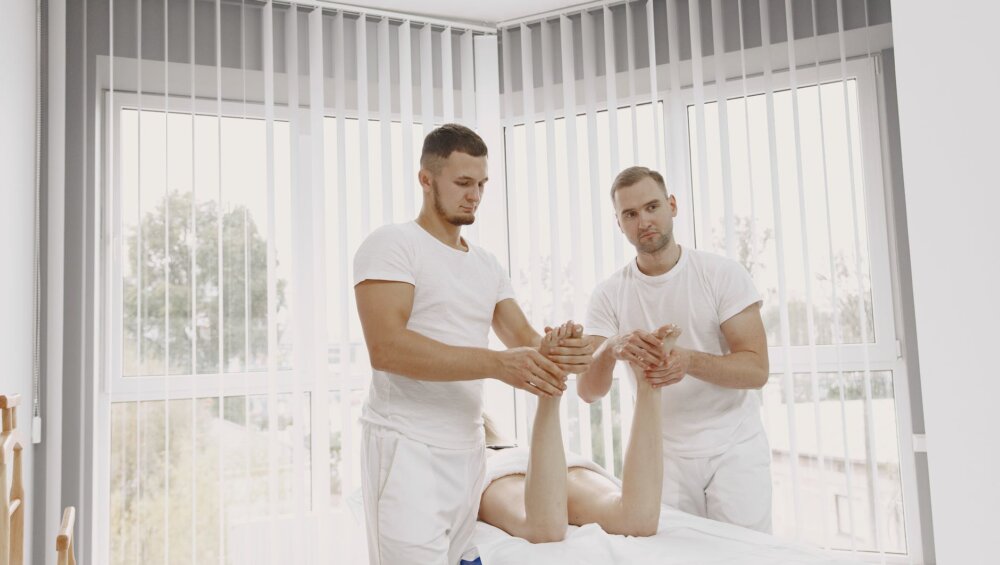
x=387 y=235
x=712 y=263
x=615 y=279
x=402 y=230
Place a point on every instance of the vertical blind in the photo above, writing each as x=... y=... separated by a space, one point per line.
x=763 y=117
x=250 y=148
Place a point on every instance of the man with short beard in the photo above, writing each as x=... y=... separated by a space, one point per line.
x=716 y=455
x=427 y=299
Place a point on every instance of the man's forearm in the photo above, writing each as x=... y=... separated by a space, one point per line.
x=413 y=355
x=742 y=369
x=594 y=383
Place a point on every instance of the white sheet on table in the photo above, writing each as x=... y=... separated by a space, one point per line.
x=682 y=539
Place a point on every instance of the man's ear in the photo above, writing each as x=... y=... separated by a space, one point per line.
x=673 y=205
x=424 y=178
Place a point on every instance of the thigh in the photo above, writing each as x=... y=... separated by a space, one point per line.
x=684 y=484
x=502 y=505
x=592 y=498
x=406 y=524
x=740 y=490
x=471 y=485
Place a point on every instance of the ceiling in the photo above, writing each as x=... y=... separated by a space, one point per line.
x=489 y=12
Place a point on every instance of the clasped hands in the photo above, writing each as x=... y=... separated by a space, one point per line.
x=543 y=371
x=653 y=355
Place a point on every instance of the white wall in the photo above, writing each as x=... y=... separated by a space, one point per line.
x=948 y=80
x=17 y=131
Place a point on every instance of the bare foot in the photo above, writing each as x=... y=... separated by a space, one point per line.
x=668 y=336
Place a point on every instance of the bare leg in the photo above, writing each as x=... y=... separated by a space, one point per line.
x=545 y=484
x=533 y=506
x=636 y=510
x=642 y=470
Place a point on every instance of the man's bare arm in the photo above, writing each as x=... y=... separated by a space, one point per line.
x=745 y=367
x=594 y=383
x=384 y=308
x=514 y=330
x=639 y=348
x=512 y=326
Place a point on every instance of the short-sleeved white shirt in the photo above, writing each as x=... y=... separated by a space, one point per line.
x=455 y=295
x=699 y=293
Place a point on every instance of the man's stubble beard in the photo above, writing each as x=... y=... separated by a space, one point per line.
x=656 y=246
x=453 y=220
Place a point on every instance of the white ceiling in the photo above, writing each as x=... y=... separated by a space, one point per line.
x=488 y=12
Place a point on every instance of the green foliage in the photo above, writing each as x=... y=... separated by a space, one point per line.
x=171 y=290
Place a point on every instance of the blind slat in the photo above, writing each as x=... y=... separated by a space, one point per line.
x=654 y=91
x=346 y=470
x=590 y=88
x=406 y=113
x=447 y=77
x=785 y=334
x=301 y=204
x=272 y=395
x=385 y=118
x=427 y=79
x=572 y=173
x=361 y=38
x=534 y=242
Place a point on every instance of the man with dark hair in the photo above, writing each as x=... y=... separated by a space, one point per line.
x=427 y=299
x=716 y=456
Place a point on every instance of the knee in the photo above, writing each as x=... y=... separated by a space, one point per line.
x=638 y=523
x=642 y=528
x=545 y=533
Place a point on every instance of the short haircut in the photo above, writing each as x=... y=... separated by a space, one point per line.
x=445 y=140
x=632 y=175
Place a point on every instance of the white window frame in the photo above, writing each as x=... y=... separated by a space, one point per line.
x=111 y=386
x=884 y=354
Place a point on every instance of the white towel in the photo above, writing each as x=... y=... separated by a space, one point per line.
x=682 y=539
x=514 y=461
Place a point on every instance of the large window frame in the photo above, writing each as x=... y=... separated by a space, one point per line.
x=883 y=352
x=112 y=385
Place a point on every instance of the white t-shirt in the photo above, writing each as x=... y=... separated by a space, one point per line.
x=455 y=294
x=698 y=294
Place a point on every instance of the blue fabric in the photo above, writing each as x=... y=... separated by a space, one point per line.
x=476 y=562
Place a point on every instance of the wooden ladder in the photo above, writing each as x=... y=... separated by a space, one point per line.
x=64 y=541
x=11 y=501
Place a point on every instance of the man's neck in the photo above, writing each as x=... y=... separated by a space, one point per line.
x=444 y=231
x=659 y=262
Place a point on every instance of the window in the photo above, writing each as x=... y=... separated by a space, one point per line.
x=830 y=407
x=211 y=442
x=839 y=433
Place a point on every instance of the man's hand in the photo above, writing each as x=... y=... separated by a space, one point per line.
x=671 y=372
x=641 y=349
x=527 y=369
x=566 y=347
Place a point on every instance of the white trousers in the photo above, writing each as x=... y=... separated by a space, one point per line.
x=421 y=502
x=733 y=487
